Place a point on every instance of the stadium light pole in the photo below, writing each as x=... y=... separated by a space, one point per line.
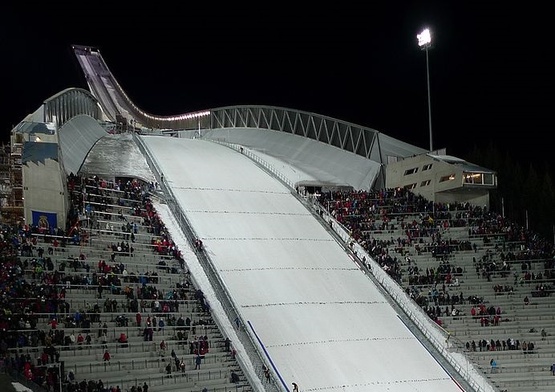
x=425 y=43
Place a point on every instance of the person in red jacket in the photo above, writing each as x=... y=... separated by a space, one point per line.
x=53 y=323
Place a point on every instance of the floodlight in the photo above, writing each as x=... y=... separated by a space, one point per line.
x=425 y=43
x=424 y=39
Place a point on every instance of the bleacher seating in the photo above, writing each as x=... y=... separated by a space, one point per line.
x=486 y=281
x=454 y=258
x=96 y=279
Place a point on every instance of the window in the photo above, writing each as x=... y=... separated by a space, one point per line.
x=450 y=177
x=425 y=183
x=479 y=178
x=489 y=179
x=472 y=178
x=410 y=186
x=411 y=171
x=427 y=167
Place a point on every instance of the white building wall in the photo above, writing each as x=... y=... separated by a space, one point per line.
x=43 y=190
x=452 y=190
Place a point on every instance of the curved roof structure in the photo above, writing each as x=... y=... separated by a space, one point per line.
x=231 y=124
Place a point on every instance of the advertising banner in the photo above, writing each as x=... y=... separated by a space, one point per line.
x=45 y=221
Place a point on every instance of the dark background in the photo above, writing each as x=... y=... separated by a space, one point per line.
x=491 y=70
x=491 y=67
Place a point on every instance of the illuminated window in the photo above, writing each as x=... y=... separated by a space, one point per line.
x=472 y=178
x=450 y=177
x=479 y=178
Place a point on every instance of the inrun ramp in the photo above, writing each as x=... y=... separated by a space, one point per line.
x=321 y=321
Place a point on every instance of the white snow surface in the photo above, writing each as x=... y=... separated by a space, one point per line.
x=321 y=321
x=116 y=156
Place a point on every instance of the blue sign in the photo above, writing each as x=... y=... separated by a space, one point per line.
x=45 y=221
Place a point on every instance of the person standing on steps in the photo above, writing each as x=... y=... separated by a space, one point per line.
x=493 y=364
x=198 y=361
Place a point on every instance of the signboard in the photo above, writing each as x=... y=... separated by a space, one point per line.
x=45 y=221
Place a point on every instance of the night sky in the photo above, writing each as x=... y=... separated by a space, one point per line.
x=491 y=66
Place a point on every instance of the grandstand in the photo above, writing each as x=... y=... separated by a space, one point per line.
x=359 y=281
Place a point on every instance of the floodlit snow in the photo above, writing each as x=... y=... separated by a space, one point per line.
x=116 y=156
x=321 y=321
x=20 y=387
